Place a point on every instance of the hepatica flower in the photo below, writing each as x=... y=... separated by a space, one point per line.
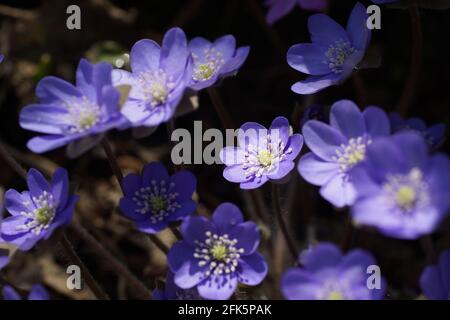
x=216 y=254
x=334 y=52
x=337 y=147
x=36 y=213
x=214 y=61
x=402 y=191
x=434 y=135
x=263 y=154
x=158 y=79
x=37 y=292
x=173 y=292
x=155 y=199
x=327 y=274
x=279 y=8
x=74 y=115
x=435 y=279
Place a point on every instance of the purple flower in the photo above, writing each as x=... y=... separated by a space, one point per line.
x=402 y=190
x=327 y=274
x=214 y=61
x=279 y=8
x=216 y=254
x=173 y=292
x=435 y=279
x=37 y=292
x=334 y=52
x=434 y=135
x=338 y=147
x=76 y=116
x=36 y=213
x=155 y=199
x=158 y=79
x=263 y=154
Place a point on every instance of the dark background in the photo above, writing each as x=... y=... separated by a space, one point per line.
x=36 y=43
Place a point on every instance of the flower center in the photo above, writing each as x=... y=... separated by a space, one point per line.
x=264 y=159
x=407 y=192
x=40 y=215
x=336 y=55
x=335 y=295
x=156 y=86
x=351 y=154
x=205 y=70
x=82 y=114
x=157 y=200
x=219 y=253
x=158 y=203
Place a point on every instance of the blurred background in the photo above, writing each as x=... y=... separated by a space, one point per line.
x=36 y=43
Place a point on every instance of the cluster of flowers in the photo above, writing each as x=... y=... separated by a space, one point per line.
x=382 y=167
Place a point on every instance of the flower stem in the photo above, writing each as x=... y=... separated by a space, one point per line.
x=224 y=116
x=281 y=223
x=157 y=242
x=112 y=160
x=75 y=259
x=176 y=232
x=416 y=57
x=138 y=287
x=428 y=247
x=4 y=153
x=349 y=234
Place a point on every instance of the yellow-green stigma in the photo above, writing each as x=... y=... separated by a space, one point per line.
x=406 y=197
x=158 y=203
x=335 y=295
x=204 y=71
x=44 y=215
x=265 y=158
x=89 y=120
x=219 y=252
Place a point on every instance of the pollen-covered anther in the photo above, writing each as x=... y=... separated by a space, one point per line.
x=41 y=216
x=336 y=55
x=156 y=86
x=206 y=68
x=350 y=154
x=82 y=114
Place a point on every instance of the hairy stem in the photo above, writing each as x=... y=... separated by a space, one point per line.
x=112 y=160
x=75 y=259
x=281 y=223
x=138 y=287
x=416 y=58
x=224 y=116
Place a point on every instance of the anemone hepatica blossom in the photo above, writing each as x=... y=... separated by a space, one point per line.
x=173 y=292
x=279 y=8
x=158 y=79
x=155 y=199
x=263 y=154
x=434 y=135
x=338 y=147
x=402 y=190
x=76 y=116
x=216 y=254
x=37 y=292
x=327 y=274
x=36 y=213
x=214 y=61
x=435 y=279
x=334 y=52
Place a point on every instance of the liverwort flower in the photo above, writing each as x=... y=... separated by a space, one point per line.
x=402 y=190
x=154 y=199
x=77 y=116
x=37 y=292
x=433 y=135
x=279 y=8
x=435 y=279
x=158 y=79
x=216 y=254
x=214 y=61
x=334 y=52
x=36 y=213
x=336 y=148
x=173 y=292
x=327 y=274
x=263 y=154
